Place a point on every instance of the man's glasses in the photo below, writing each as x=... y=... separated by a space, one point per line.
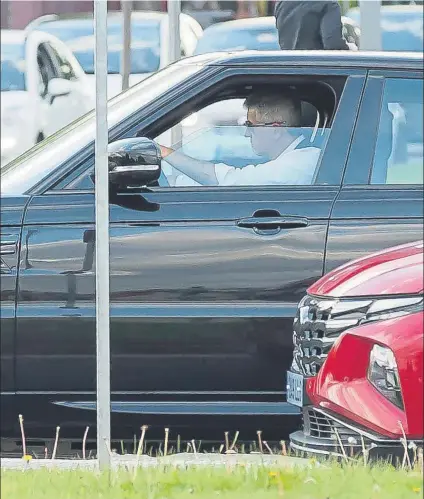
x=249 y=124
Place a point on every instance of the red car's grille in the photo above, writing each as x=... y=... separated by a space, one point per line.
x=319 y=425
x=317 y=325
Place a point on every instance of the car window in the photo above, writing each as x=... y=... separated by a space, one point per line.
x=66 y=70
x=46 y=67
x=216 y=39
x=240 y=150
x=12 y=67
x=241 y=154
x=78 y=34
x=398 y=155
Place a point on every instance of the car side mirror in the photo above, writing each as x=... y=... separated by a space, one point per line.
x=58 y=87
x=133 y=163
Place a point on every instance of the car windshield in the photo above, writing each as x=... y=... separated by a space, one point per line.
x=217 y=40
x=22 y=174
x=12 y=67
x=79 y=36
x=401 y=30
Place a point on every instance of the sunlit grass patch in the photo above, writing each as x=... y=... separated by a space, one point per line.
x=333 y=481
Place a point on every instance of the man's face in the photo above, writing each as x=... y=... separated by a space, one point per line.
x=262 y=138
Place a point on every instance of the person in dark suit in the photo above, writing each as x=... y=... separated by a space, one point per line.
x=309 y=25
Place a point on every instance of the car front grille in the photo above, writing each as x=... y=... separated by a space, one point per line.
x=317 y=325
x=317 y=424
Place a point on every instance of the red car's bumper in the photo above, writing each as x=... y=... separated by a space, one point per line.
x=346 y=407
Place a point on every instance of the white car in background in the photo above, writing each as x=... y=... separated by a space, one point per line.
x=149 y=42
x=43 y=89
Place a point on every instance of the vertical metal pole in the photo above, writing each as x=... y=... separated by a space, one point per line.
x=370 y=24
x=102 y=236
x=174 y=47
x=174 y=11
x=126 y=7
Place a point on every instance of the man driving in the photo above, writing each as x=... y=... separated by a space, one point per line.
x=287 y=157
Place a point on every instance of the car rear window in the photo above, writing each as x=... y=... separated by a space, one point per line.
x=239 y=39
x=79 y=36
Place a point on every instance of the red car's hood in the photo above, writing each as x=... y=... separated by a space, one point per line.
x=397 y=270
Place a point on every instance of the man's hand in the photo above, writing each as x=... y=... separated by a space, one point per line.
x=165 y=151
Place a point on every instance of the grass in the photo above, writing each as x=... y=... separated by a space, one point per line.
x=333 y=481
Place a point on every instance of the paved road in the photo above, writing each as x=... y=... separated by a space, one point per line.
x=176 y=460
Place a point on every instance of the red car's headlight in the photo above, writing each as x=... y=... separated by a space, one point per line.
x=384 y=375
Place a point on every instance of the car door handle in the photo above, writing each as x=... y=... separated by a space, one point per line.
x=8 y=247
x=267 y=225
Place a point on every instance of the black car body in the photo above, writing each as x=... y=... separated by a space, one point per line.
x=202 y=303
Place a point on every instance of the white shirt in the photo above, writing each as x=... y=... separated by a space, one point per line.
x=292 y=167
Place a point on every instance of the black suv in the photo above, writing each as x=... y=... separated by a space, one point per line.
x=204 y=280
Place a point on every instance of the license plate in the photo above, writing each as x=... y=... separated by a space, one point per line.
x=295 y=389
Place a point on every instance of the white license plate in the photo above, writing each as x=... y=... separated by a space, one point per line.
x=295 y=389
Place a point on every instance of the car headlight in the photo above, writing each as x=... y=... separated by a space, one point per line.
x=390 y=308
x=383 y=374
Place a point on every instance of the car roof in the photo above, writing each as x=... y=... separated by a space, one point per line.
x=322 y=58
x=13 y=36
x=254 y=23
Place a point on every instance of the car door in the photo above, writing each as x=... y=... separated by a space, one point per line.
x=61 y=110
x=55 y=112
x=9 y=247
x=81 y=97
x=381 y=202
x=204 y=285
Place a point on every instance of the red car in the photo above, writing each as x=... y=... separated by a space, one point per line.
x=357 y=369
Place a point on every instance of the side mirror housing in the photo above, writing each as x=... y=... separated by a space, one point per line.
x=133 y=163
x=58 y=87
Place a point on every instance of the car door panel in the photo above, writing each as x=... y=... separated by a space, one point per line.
x=9 y=248
x=171 y=281
x=199 y=305
x=370 y=217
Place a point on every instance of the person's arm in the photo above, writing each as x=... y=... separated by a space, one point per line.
x=200 y=171
x=332 y=29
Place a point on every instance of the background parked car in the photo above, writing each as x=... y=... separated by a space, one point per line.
x=149 y=46
x=401 y=26
x=255 y=34
x=358 y=356
x=43 y=88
